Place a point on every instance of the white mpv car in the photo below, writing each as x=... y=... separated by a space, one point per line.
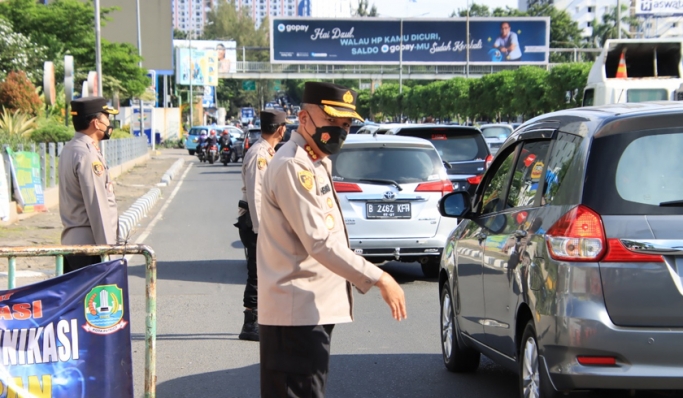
x=389 y=188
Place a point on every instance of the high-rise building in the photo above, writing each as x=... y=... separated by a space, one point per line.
x=260 y=9
x=587 y=12
x=190 y=15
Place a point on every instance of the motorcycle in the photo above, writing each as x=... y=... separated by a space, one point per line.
x=201 y=153
x=212 y=153
x=226 y=156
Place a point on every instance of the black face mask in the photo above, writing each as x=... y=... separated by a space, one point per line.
x=107 y=132
x=329 y=139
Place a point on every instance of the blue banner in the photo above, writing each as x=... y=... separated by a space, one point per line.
x=517 y=40
x=68 y=336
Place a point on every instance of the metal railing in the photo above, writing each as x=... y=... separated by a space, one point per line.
x=11 y=253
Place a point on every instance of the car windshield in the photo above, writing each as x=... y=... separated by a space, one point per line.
x=198 y=131
x=400 y=164
x=452 y=145
x=496 y=132
x=254 y=135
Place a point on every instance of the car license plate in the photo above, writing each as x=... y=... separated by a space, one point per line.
x=387 y=210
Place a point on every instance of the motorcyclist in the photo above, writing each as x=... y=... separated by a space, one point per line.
x=211 y=140
x=200 y=141
x=225 y=141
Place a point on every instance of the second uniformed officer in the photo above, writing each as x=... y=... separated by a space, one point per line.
x=87 y=204
x=254 y=166
x=305 y=265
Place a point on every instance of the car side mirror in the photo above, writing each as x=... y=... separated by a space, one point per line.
x=455 y=204
x=447 y=165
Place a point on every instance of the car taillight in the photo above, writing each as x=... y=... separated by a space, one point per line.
x=489 y=160
x=577 y=236
x=346 y=187
x=475 y=180
x=246 y=143
x=443 y=186
x=618 y=253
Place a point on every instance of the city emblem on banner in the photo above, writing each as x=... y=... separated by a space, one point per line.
x=104 y=310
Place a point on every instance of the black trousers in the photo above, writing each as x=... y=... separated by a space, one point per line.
x=294 y=360
x=72 y=263
x=248 y=238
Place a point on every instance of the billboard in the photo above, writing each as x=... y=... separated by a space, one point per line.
x=203 y=70
x=226 y=51
x=659 y=8
x=68 y=336
x=517 y=40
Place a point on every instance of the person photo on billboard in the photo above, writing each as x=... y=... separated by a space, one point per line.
x=508 y=44
x=223 y=62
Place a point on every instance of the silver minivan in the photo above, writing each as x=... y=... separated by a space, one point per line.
x=568 y=265
x=389 y=188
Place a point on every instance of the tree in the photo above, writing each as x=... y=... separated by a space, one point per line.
x=476 y=10
x=17 y=93
x=608 y=29
x=564 y=32
x=66 y=26
x=362 y=10
x=567 y=82
x=179 y=34
x=529 y=87
x=18 y=52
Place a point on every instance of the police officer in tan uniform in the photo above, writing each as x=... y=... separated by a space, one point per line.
x=87 y=204
x=254 y=166
x=305 y=266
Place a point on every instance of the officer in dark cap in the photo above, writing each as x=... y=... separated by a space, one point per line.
x=87 y=204
x=305 y=265
x=254 y=166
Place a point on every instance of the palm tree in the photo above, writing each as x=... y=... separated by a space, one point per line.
x=608 y=28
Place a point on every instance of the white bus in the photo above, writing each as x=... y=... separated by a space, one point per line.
x=653 y=68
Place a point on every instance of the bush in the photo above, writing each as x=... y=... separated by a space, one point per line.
x=118 y=134
x=14 y=141
x=52 y=133
x=18 y=93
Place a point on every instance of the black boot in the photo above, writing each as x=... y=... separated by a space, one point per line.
x=250 y=327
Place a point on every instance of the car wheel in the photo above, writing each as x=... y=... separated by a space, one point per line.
x=430 y=268
x=456 y=356
x=233 y=157
x=533 y=382
x=191 y=151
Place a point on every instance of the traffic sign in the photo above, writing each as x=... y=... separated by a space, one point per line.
x=249 y=85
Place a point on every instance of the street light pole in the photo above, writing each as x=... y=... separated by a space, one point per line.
x=400 y=62
x=191 y=70
x=619 y=19
x=467 y=45
x=98 y=48
x=142 y=114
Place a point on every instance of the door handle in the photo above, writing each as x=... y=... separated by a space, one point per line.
x=519 y=234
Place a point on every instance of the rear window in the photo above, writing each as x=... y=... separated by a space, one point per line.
x=633 y=173
x=453 y=146
x=403 y=165
x=646 y=94
x=496 y=132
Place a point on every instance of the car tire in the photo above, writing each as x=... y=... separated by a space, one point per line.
x=533 y=380
x=233 y=157
x=191 y=152
x=431 y=267
x=457 y=357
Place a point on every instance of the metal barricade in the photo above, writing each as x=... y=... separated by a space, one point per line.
x=104 y=251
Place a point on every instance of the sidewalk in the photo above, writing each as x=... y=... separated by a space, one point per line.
x=46 y=228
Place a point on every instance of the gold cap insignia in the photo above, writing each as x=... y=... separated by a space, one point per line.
x=348 y=97
x=306 y=179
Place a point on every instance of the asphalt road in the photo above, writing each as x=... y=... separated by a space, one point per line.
x=201 y=276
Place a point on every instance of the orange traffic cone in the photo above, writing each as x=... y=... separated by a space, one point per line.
x=621 y=69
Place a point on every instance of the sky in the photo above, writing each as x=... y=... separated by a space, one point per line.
x=432 y=8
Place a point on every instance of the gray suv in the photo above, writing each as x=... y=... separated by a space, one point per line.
x=567 y=267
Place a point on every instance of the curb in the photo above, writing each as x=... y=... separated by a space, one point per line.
x=171 y=172
x=139 y=209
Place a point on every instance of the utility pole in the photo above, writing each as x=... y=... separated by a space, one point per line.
x=618 y=19
x=467 y=45
x=98 y=48
x=400 y=62
x=191 y=69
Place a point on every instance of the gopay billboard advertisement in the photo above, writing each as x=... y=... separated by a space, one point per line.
x=519 y=40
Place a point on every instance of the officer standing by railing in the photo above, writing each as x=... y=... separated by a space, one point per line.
x=254 y=166
x=87 y=204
